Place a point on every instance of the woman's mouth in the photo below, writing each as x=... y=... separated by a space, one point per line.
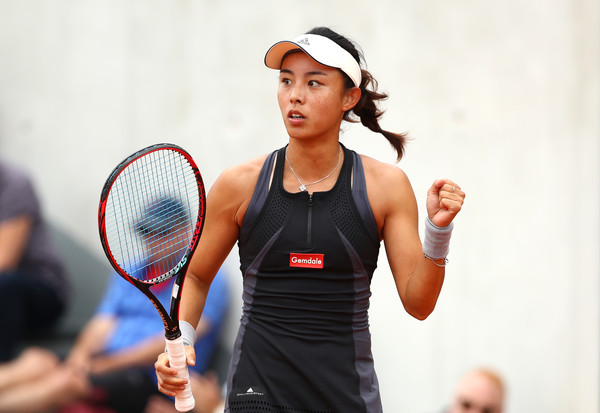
x=294 y=115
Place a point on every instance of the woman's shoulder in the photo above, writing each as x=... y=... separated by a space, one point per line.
x=388 y=187
x=244 y=173
x=236 y=183
x=383 y=172
x=233 y=189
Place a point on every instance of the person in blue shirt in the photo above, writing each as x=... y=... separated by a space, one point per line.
x=111 y=362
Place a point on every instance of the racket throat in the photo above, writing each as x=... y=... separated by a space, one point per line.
x=173 y=334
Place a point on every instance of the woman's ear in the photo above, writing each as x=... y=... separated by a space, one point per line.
x=351 y=98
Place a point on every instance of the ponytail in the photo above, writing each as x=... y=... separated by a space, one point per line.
x=366 y=109
x=368 y=112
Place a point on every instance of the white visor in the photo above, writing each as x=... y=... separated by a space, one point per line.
x=322 y=49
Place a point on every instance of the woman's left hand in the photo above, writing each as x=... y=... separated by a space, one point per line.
x=444 y=201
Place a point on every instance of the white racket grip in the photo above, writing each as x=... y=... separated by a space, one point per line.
x=184 y=399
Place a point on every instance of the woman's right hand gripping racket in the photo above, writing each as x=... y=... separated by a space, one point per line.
x=150 y=219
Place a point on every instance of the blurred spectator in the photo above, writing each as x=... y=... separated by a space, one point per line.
x=110 y=368
x=111 y=365
x=33 y=284
x=479 y=391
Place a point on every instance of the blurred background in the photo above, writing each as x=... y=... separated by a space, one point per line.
x=502 y=97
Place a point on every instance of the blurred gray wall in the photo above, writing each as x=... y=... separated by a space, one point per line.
x=501 y=96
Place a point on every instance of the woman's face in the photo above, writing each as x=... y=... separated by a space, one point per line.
x=312 y=98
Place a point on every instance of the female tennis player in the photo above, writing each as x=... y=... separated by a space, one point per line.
x=309 y=219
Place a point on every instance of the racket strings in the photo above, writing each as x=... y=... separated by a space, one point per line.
x=150 y=214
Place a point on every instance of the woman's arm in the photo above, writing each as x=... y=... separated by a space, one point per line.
x=226 y=202
x=418 y=279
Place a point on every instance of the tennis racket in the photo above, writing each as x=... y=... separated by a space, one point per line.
x=150 y=219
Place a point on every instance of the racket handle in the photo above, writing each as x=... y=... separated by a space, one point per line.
x=184 y=399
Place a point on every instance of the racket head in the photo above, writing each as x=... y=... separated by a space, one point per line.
x=151 y=214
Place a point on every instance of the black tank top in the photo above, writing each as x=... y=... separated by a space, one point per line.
x=307 y=260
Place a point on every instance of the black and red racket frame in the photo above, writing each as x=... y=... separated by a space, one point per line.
x=171 y=322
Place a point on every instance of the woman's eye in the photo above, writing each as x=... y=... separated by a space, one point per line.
x=313 y=83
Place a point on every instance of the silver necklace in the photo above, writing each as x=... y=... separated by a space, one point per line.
x=302 y=185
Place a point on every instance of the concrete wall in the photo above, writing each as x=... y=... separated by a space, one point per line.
x=503 y=97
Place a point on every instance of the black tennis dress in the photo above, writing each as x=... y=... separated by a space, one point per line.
x=307 y=260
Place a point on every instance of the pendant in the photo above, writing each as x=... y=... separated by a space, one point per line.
x=302 y=188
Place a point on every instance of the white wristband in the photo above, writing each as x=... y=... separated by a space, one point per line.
x=437 y=240
x=188 y=333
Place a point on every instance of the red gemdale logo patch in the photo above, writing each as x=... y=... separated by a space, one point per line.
x=306 y=260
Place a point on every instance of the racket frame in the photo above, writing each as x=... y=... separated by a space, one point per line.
x=170 y=319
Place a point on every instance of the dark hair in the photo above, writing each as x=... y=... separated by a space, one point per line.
x=366 y=110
